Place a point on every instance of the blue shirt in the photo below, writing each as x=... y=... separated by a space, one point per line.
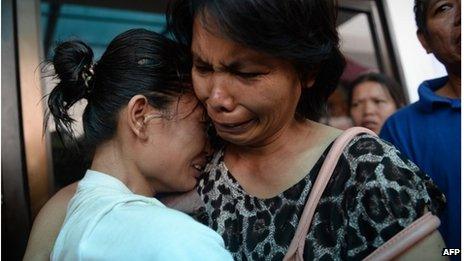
x=429 y=133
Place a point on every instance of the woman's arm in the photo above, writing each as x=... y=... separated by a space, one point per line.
x=392 y=192
x=47 y=225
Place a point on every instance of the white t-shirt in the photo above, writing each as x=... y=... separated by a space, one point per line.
x=106 y=221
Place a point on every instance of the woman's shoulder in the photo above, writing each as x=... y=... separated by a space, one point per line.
x=153 y=219
x=371 y=169
x=371 y=158
x=378 y=159
x=364 y=144
x=157 y=230
x=368 y=159
x=376 y=165
x=47 y=224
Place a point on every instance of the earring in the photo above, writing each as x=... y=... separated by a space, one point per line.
x=151 y=116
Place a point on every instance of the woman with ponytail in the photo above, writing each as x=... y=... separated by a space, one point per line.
x=146 y=129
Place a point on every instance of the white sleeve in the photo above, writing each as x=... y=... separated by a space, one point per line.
x=141 y=232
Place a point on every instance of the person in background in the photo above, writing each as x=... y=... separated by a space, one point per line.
x=338 y=112
x=429 y=130
x=147 y=130
x=372 y=98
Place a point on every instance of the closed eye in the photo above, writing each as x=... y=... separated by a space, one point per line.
x=248 y=75
x=203 y=69
x=379 y=101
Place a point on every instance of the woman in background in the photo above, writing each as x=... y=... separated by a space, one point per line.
x=373 y=97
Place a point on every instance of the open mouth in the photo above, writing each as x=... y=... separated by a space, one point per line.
x=233 y=127
x=369 y=124
x=198 y=170
x=198 y=167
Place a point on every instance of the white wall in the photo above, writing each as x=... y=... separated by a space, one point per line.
x=356 y=41
x=417 y=65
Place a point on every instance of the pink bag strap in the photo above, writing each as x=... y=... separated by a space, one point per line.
x=406 y=238
x=295 y=250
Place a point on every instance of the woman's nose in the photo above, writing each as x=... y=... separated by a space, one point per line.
x=220 y=99
x=369 y=108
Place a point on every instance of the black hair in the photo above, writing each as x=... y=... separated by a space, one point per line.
x=389 y=84
x=420 y=13
x=137 y=61
x=302 y=32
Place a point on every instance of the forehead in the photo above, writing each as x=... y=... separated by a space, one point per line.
x=429 y=3
x=207 y=37
x=370 y=89
x=209 y=44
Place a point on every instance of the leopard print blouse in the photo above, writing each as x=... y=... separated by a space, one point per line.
x=373 y=194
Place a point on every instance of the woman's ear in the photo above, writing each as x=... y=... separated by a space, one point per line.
x=309 y=83
x=310 y=78
x=137 y=108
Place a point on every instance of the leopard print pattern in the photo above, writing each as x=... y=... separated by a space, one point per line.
x=373 y=194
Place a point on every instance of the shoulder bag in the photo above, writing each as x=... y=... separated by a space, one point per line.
x=394 y=247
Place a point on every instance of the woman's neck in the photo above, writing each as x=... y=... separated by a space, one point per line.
x=275 y=144
x=288 y=140
x=267 y=170
x=110 y=159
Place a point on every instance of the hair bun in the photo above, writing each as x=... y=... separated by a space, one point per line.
x=72 y=62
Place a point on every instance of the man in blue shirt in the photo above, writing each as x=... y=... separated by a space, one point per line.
x=428 y=131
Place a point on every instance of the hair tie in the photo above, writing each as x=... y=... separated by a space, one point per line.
x=88 y=74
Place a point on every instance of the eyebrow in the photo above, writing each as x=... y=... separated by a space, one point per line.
x=198 y=59
x=432 y=4
x=235 y=65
